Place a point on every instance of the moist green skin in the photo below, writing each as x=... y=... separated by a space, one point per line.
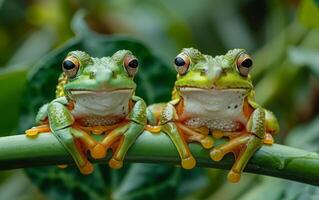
x=95 y=75
x=219 y=73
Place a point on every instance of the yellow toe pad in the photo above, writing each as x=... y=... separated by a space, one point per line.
x=188 y=163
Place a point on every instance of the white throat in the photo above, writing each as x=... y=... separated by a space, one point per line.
x=101 y=103
x=213 y=107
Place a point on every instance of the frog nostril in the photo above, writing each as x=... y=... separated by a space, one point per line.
x=203 y=71
x=92 y=75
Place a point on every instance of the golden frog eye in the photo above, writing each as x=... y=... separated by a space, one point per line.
x=131 y=64
x=70 y=66
x=244 y=64
x=181 y=64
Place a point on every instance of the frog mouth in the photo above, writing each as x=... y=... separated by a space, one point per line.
x=87 y=91
x=197 y=89
x=194 y=88
x=77 y=93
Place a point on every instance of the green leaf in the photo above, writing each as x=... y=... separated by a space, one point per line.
x=34 y=46
x=159 y=182
x=309 y=13
x=150 y=182
x=306 y=136
x=11 y=85
x=305 y=57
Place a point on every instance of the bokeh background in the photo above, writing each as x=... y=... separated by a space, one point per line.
x=281 y=35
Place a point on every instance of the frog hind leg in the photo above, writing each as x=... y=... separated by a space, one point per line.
x=203 y=139
x=126 y=134
x=243 y=146
x=85 y=138
x=243 y=157
x=66 y=138
x=167 y=121
x=99 y=151
x=126 y=141
x=187 y=159
x=137 y=121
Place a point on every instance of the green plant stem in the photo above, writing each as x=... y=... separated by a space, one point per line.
x=276 y=160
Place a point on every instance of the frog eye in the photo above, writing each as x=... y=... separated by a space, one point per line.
x=70 y=66
x=131 y=64
x=244 y=64
x=181 y=64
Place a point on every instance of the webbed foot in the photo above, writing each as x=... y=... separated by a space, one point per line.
x=98 y=152
x=115 y=164
x=243 y=148
x=126 y=136
x=87 y=168
x=95 y=148
x=206 y=141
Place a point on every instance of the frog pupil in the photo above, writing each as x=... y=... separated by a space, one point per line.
x=133 y=63
x=247 y=63
x=179 y=61
x=68 y=65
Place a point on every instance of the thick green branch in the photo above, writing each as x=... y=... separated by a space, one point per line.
x=276 y=160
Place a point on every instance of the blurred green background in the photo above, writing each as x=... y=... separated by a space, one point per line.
x=282 y=37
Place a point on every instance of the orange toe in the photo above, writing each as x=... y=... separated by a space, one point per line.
x=87 y=168
x=233 y=177
x=98 y=151
x=115 y=164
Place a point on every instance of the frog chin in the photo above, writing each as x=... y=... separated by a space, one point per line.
x=101 y=102
x=209 y=106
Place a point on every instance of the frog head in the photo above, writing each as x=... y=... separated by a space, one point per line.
x=229 y=71
x=86 y=74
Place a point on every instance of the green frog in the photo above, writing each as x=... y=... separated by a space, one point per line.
x=94 y=96
x=214 y=95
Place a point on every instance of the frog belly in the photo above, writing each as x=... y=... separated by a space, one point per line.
x=216 y=109
x=101 y=108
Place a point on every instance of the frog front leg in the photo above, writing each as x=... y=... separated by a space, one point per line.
x=126 y=135
x=61 y=121
x=243 y=146
x=271 y=128
x=168 y=126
